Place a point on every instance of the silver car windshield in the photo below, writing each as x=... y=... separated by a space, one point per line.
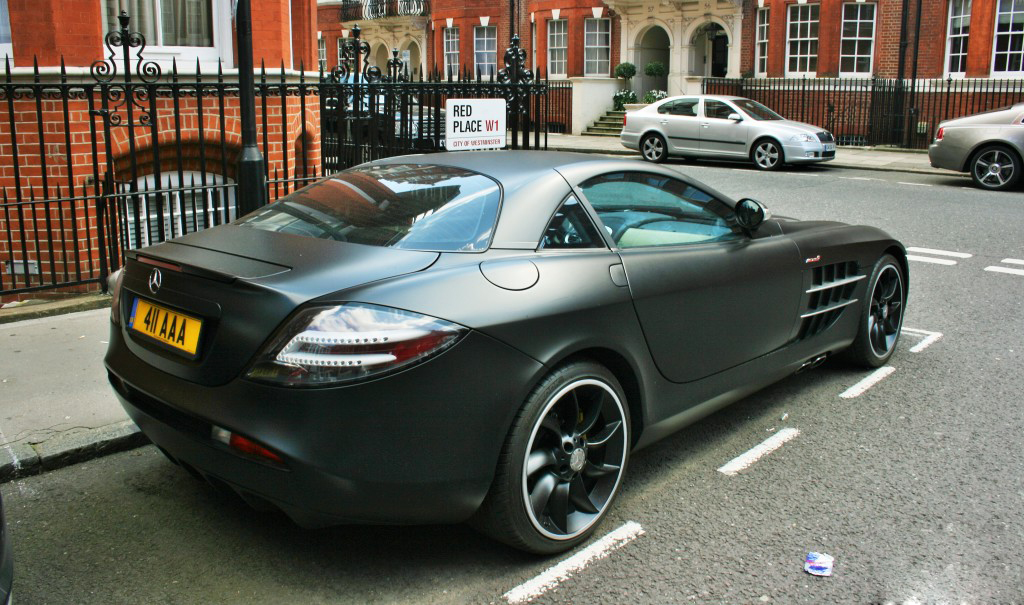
x=756 y=110
x=410 y=206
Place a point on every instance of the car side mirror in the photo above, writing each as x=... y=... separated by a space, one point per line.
x=735 y=117
x=750 y=214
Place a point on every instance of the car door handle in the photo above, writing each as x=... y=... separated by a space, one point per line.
x=663 y=122
x=705 y=124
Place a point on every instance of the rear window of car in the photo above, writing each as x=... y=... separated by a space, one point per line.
x=409 y=206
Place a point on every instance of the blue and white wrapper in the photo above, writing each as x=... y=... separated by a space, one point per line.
x=819 y=564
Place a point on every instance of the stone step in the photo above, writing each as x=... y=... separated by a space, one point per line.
x=603 y=128
x=588 y=133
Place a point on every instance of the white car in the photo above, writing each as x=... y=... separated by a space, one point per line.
x=724 y=127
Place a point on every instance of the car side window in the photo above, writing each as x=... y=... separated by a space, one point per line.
x=680 y=107
x=717 y=109
x=641 y=209
x=571 y=227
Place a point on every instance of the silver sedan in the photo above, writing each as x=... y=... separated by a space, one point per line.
x=989 y=145
x=724 y=127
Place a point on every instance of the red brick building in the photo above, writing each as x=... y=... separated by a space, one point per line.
x=953 y=38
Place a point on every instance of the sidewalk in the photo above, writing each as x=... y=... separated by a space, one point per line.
x=56 y=407
x=863 y=158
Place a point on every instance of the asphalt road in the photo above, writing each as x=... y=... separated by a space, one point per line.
x=915 y=486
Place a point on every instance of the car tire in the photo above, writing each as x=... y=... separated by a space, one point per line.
x=562 y=463
x=995 y=167
x=653 y=148
x=881 y=318
x=767 y=155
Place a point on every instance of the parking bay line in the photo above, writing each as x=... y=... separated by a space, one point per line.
x=929 y=338
x=869 y=381
x=1012 y=261
x=1005 y=270
x=554 y=575
x=939 y=252
x=928 y=259
x=759 y=451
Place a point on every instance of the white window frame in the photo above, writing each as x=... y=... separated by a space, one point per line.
x=210 y=57
x=587 y=62
x=6 y=49
x=563 y=38
x=858 y=39
x=761 y=42
x=321 y=51
x=964 y=16
x=1014 y=14
x=812 y=41
x=451 y=57
x=489 y=65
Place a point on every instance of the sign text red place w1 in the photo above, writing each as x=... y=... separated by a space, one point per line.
x=474 y=124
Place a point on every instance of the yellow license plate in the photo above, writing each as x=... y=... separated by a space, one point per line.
x=176 y=330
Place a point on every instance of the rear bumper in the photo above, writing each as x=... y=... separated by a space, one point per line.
x=420 y=446
x=945 y=155
x=630 y=141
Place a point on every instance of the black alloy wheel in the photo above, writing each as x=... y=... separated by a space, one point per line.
x=995 y=168
x=653 y=148
x=562 y=464
x=767 y=155
x=882 y=315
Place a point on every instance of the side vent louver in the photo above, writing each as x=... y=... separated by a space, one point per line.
x=831 y=291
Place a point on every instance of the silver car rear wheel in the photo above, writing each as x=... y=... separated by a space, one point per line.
x=653 y=148
x=767 y=155
x=996 y=168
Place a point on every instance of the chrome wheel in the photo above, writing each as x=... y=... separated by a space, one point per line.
x=767 y=155
x=652 y=147
x=995 y=168
x=885 y=315
x=574 y=459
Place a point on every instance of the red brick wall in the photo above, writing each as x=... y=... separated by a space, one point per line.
x=575 y=15
x=931 y=50
x=49 y=29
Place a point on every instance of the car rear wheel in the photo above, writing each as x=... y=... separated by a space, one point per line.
x=882 y=316
x=995 y=167
x=562 y=462
x=653 y=148
x=767 y=155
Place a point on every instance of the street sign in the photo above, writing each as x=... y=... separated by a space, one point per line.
x=474 y=124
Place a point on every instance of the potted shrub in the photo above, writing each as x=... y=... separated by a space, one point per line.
x=655 y=69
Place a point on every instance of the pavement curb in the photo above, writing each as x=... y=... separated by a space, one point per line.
x=18 y=460
x=87 y=302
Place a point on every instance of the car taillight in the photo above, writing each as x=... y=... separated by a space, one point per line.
x=938 y=135
x=114 y=287
x=625 y=116
x=244 y=445
x=324 y=346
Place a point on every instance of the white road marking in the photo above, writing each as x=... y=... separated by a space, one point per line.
x=940 y=252
x=859 y=178
x=915 y=184
x=10 y=451
x=928 y=259
x=1005 y=270
x=1012 y=261
x=929 y=338
x=869 y=381
x=554 y=575
x=754 y=454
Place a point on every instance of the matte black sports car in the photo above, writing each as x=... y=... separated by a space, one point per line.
x=480 y=336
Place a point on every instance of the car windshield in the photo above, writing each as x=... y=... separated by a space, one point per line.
x=410 y=206
x=756 y=110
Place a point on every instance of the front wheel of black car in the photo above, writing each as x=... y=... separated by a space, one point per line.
x=995 y=167
x=562 y=462
x=881 y=316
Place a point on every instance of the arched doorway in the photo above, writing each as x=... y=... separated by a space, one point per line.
x=413 y=59
x=653 y=45
x=710 y=45
x=381 y=57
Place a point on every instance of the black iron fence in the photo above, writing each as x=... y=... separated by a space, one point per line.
x=874 y=111
x=128 y=155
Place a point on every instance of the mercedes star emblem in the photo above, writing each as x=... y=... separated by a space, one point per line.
x=155 y=279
